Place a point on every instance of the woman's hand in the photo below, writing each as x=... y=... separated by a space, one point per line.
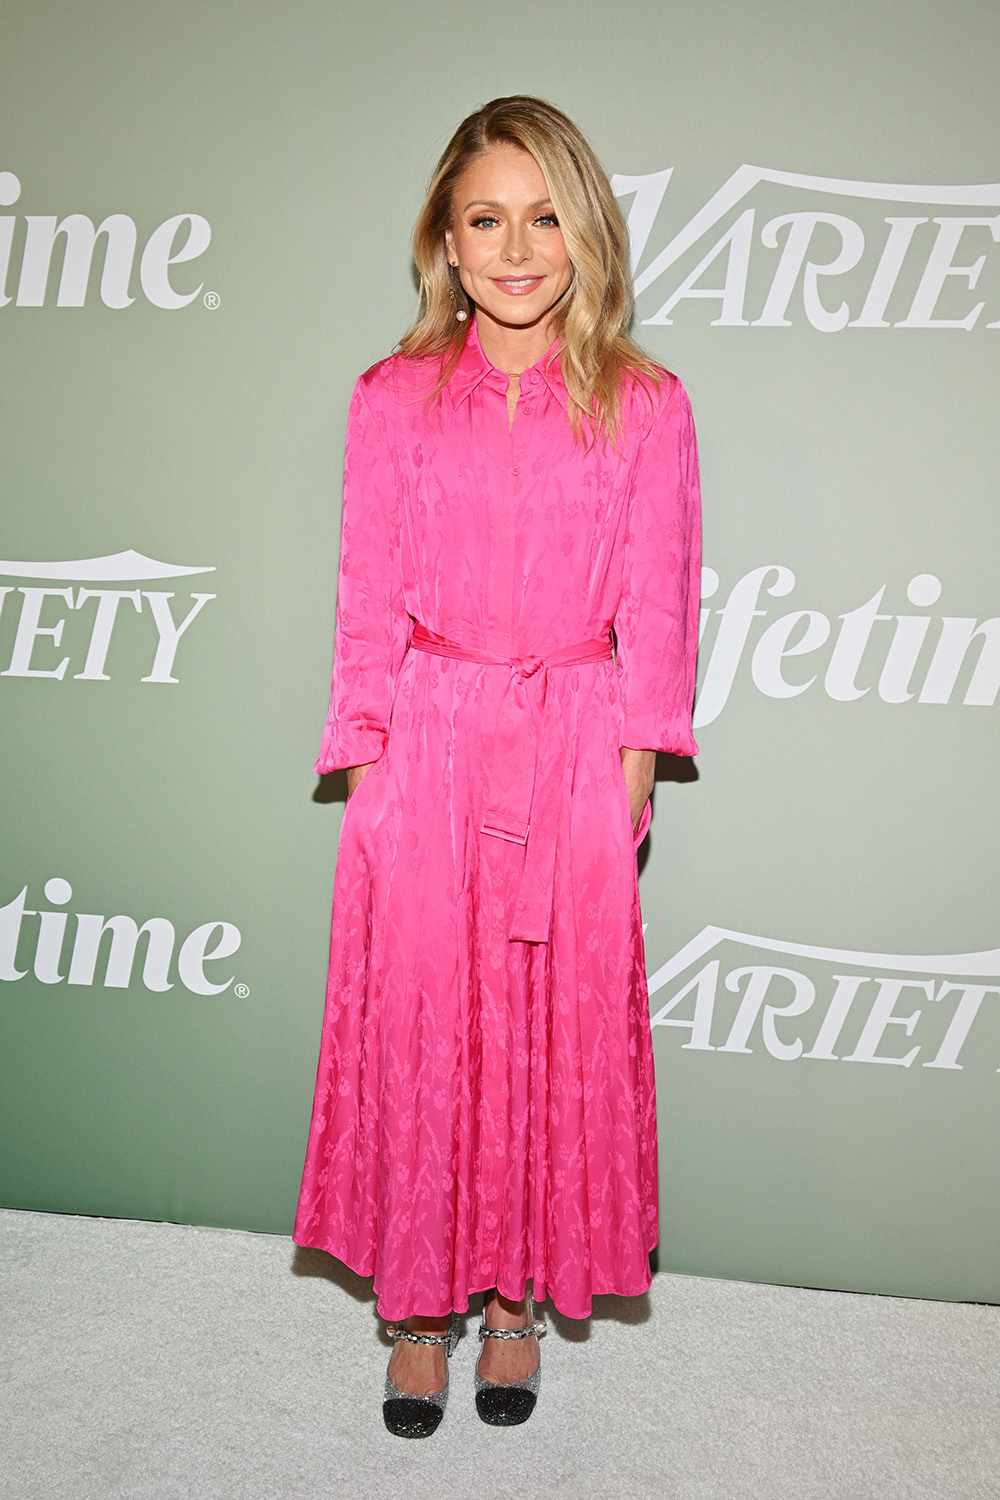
x=639 y=767
x=355 y=775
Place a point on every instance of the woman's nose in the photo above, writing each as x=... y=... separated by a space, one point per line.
x=516 y=247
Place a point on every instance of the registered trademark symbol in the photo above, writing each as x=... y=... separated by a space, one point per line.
x=211 y=300
x=241 y=991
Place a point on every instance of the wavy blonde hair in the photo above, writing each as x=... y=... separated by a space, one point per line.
x=591 y=321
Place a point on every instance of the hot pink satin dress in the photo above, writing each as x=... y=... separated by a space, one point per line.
x=484 y=1108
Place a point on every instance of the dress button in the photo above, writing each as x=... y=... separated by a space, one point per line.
x=515 y=470
x=527 y=408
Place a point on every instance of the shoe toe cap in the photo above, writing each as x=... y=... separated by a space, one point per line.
x=505 y=1407
x=411 y=1417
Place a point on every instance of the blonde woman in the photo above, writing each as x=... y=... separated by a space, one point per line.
x=517 y=615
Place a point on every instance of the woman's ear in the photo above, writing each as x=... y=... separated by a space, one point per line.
x=449 y=248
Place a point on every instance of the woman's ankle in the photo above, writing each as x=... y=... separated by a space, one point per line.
x=418 y=1324
x=502 y=1312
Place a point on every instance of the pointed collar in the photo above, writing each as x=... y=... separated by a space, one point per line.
x=473 y=368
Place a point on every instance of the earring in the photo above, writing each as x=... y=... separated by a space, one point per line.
x=461 y=315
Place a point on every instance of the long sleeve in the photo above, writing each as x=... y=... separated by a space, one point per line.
x=372 y=626
x=656 y=624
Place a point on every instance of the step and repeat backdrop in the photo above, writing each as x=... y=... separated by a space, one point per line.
x=204 y=228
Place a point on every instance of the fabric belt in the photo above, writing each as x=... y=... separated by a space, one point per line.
x=524 y=779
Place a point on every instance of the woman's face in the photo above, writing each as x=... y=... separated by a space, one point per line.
x=506 y=241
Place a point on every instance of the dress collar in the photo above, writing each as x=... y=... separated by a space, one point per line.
x=473 y=368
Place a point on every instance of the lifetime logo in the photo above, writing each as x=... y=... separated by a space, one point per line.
x=826 y=1014
x=208 y=943
x=180 y=238
x=99 y=610
x=912 y=265
x=897 y=654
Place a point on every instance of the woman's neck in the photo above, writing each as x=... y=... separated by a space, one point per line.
x=513 y=350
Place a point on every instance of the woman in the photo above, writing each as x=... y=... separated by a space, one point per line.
x=520 y=480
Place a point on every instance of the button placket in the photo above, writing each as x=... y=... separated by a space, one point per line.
x=499 y=586
x=515 y=440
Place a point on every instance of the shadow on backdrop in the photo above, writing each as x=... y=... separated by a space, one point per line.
x=331 y=788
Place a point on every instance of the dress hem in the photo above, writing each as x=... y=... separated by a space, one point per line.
x=547 y=1294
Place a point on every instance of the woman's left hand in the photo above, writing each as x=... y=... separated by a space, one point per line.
x=639 y=768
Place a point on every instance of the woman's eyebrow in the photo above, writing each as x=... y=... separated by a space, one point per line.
x=492 y=203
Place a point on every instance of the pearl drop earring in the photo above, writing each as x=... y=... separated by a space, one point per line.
x=461 y=315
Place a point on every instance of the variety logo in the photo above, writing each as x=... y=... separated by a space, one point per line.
x=827 y=1004
x=910 y=271
x=98 y=611
x=180 y=238
x=80 y=962
x=898 y=655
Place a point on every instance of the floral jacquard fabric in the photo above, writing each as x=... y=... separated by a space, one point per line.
x=484 y=1108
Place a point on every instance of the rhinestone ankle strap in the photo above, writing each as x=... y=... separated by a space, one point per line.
x=417 y=1338
x=538 y=1328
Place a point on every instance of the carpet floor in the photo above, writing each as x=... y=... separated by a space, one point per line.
x=151 y=1361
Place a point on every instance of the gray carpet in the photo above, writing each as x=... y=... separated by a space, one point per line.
x=153 y=1361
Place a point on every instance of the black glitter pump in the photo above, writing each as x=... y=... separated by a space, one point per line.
x=417 y=1416
x=508 y=1405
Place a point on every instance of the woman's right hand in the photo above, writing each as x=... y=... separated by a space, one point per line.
x=355 y=775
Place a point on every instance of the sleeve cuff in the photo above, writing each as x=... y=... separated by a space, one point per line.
x=671 y=739
x=358 y=747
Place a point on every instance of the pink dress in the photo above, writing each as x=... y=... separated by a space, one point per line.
x=484 y=1108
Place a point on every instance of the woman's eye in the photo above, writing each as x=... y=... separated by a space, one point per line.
x=548 y=221
x=485 y=221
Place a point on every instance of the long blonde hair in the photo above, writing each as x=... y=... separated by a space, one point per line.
x=591 y=321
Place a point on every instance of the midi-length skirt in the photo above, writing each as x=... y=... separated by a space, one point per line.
x=484 y=1110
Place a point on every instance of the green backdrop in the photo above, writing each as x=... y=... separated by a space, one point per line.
x=822 y=926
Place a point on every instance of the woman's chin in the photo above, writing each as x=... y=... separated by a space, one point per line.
x=513 y=313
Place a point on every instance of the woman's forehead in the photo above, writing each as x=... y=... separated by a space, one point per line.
x=501 y=174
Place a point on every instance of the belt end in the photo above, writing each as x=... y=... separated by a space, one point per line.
x=512 y=835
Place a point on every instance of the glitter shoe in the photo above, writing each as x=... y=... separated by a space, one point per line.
x=507 y=1405
x=417 y=1416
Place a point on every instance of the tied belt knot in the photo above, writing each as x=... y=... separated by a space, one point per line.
x=524 y=778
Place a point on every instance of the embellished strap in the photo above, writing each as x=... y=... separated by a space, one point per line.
x=396 y=1333
x=538 y=1327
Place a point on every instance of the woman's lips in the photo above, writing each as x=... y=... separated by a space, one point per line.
x=517 y=286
